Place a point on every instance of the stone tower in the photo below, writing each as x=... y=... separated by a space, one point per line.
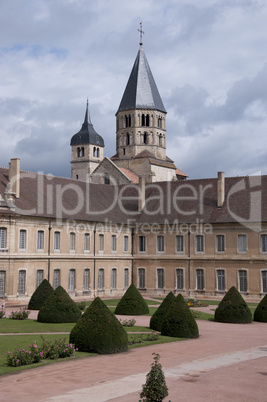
x=141 y=126
x=87 y=150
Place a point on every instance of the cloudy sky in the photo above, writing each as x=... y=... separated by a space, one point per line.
x=208 y=58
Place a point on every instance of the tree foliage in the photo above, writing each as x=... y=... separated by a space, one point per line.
x=233 y=308
x=179 y=321
x=99 y=331
x=260 y=314
x=158 y=317
x=59 y=307
x=40 y=295
x=155 y=388
x=132 y=303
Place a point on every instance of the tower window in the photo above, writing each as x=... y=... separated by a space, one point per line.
x=145 y=138
x=127 y=139
x=128 y=121
x=160 y=122
x=145 y=120
x=80 y=152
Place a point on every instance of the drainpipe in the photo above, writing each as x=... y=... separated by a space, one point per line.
x=132 y=232
x=94 y=257
x=189 y=261
x=49 y=249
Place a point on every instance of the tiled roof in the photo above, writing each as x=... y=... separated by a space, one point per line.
x=131 y=175
x=188 y=202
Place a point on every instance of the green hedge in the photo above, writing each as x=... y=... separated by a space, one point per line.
x=179 y=321
x=40 y=295
x=132 y=303
x=159 y=315
x=59 y=307
x=233 y=309
x=99 y=331
x=260 y=314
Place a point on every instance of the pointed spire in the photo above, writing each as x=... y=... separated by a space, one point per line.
x=87 y=118
x=141 y=91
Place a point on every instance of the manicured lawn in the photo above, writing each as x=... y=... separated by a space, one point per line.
x=7 y=325
x=114 y=302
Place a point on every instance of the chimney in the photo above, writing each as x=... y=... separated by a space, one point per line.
x=220 y=190
x=141 y=194
x=14 y=176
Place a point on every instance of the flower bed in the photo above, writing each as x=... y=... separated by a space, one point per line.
x=34 y=354
x=195 y=303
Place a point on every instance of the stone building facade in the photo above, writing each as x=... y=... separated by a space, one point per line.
x=198 y=237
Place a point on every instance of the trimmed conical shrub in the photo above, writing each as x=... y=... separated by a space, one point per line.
x=40 y=295
x=179 y=321
x=260 y=314
x=59 y=307
x=233 y=308
x=99 y=331
x=159 y=315
x=132 y=303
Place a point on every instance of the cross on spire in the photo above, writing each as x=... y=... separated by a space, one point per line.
x=141 y=33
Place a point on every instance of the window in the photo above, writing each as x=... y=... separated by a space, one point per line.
x=2 y=238
x=86 y=245
x=113 y=243
x=220 y=243
x=179 y=278
x=141 y=278
x=2 y=283
x=263 y=281
x=106 y=178
x=57 y=241
x=179 y=244
x=56 y=281
x=160 y=278
x=126 y=243
x=86 y=279
x=40 y=240
x=114 y=278
x=220 y=280
x=242 y=243
x=72 y=242
x=22 y=282
x=101 y=278
x=126 y=278
x=22 y=239
x=200 y=279
x=243 y=281
x=199 y=243
x=127 y=139
x=71 y=280
x=101 y=243
x=160 y=244
x=39 y=277
x=264 y=243
x=142 y=243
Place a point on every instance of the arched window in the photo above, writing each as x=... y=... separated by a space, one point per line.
x=97 y=152
x=143 y=120
x=160 y=140
x=82 y=151
x=147 y=120
x=160 y=122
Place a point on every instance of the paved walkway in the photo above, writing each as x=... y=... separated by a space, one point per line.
x=228 y=362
